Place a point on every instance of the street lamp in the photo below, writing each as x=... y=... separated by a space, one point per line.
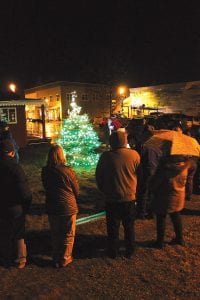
x=110 y=102
x=12 y=87
x=122 y=90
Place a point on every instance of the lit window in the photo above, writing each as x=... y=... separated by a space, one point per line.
x=8 y=115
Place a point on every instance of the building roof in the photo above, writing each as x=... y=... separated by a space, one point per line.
x=22 y=102
x=62 y=83
x=180 y=86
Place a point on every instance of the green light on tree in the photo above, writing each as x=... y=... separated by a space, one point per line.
x=78 y=139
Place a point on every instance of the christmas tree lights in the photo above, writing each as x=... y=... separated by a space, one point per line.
x=78 y=139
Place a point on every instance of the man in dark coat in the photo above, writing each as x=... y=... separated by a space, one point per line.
x=150 y=157
x=116 y=177
x=14 y=202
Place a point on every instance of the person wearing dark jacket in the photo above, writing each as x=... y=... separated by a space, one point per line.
x=15 y=201
x=5 y=134
x=116 y=177
x=150 y=157
x=61 y=189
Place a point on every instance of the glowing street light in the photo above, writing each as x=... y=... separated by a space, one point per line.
x=12 y=87
x=122 y=90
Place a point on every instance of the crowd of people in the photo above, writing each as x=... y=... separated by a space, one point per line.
x=137 y=178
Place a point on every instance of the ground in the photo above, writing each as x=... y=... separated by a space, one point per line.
x=171 y=273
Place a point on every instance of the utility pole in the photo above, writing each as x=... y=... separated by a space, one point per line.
x=110 y=101
x=43 y=122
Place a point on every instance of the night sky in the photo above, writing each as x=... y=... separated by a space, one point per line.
x=138 y=43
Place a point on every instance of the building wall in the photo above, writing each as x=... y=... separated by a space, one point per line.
x=52 y=97
x=177 y=97
x=18 y=129
x=94 y=99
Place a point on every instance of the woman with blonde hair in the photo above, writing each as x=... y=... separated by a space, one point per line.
x=61 y=190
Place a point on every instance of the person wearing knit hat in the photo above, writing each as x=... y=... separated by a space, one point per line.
x=116 y=177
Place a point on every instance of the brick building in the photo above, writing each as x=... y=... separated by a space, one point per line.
x=93 y=98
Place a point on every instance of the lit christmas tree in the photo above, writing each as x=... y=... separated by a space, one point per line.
x=78 y=139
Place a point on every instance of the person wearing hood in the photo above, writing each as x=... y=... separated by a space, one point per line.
x=116 y=177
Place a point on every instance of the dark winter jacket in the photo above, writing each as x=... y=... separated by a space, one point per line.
x=7 y=135
x=168 y=185
x=61 y=189
x=15 y=192
x=150 y=158
x=116 y=171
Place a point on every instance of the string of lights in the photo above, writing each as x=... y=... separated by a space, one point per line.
x=79 y=139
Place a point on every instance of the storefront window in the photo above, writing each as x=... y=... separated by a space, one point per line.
x=8 y=115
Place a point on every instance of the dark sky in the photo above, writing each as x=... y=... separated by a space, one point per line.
x=107 y=41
